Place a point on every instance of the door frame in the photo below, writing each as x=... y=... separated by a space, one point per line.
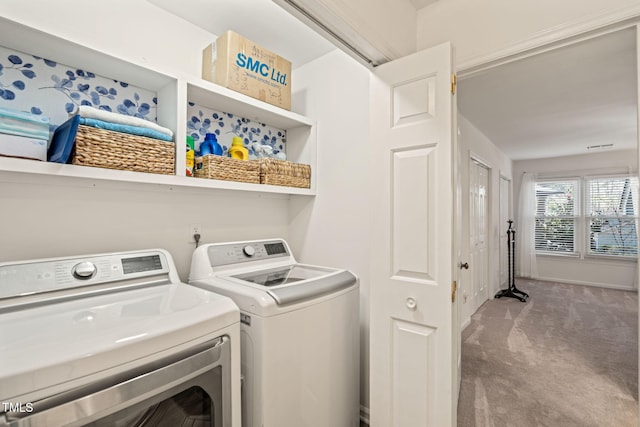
x=490 y=222
x=464 y=276
x=562 y=36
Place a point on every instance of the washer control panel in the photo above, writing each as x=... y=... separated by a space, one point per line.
x=235 y=253
x=32 y=277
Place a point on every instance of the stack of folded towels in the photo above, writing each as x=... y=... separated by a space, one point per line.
x=23 y=134
x=94 y=117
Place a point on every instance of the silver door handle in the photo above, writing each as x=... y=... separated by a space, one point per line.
x=104 y=396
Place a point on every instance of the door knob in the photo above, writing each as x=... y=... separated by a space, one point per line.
x=412 y=304
x=465 y=266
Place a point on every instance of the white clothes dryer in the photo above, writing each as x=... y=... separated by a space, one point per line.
x=299 y=333
x=115 y=340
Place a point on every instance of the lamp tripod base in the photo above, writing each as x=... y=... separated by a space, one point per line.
x=512 y=292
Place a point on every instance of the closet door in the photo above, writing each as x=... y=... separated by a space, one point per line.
x=412 y=349
x=478 y=232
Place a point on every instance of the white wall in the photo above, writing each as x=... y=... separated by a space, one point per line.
x=473 y=143
x=334 y=229
x=390 y=25
x=479 y=28
x=48 y=218
x=597 y=272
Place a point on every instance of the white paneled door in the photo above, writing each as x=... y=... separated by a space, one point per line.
x=479 y=233
x=412 y=363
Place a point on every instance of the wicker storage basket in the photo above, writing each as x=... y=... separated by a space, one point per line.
x=285 y=173
x=116 y=150
x=228 y=169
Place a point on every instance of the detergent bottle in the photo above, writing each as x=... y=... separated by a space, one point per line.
x=210 y=145
x=238 y=150
x=190 y=156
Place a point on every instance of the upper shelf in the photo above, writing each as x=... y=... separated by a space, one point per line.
x=29 y=40
x=174 y=91
x=217 y=97
x=35 y=42
x=35 y=168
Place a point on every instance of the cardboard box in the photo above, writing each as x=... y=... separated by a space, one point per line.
x=241 y=65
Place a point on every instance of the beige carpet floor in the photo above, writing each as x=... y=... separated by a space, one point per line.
x=567 y=357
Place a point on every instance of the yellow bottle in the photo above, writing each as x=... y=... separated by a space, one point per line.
x=237 y=149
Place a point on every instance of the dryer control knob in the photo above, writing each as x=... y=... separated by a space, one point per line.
x=249 y=250
x=84 y=270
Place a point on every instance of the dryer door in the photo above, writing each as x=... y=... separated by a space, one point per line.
x=186 y=389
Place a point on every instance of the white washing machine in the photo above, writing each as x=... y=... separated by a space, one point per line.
x=115 y=340
x=299 y=333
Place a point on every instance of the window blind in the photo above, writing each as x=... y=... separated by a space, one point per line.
x=556 y=216
x=611 y=216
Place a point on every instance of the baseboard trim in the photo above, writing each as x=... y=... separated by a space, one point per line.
x=592 y=284
x=364 y=414
x=466 y=323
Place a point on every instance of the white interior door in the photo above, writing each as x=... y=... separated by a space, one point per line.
x=412 y=363
x=478 y=232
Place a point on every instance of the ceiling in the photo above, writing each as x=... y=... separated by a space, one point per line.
x=560 y=102
x=552 y=104
x=266 y=23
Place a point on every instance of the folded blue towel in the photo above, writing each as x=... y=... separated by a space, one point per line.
x=24 y=116
x=28 y=129
x=22 y=123
x=132 y=130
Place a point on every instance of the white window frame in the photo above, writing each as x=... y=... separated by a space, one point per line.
x=587 y=217
x=577 y=201
x=582 y=218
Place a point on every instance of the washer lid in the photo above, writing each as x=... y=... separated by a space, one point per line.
x=47 y=345
x=297 y=282
x=283 y=275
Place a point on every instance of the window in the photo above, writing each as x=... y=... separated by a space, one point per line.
x=611 y=216
x=556 y=216
x=592 y=216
